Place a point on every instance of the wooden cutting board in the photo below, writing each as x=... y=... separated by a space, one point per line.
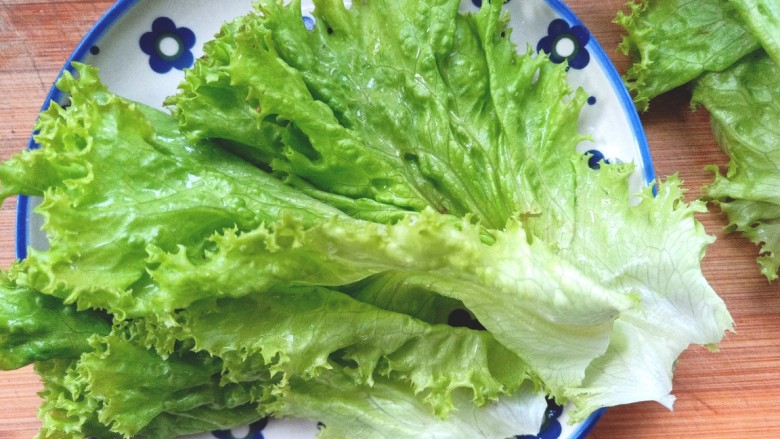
x=732 y=393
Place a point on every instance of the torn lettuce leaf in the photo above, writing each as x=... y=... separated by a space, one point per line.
x=744 y=109
x=672 y=42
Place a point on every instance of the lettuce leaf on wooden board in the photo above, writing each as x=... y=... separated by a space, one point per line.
x=744 y=104
x=672 y=42
x=729 y=51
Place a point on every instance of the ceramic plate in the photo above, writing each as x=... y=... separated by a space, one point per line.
x=142 y=48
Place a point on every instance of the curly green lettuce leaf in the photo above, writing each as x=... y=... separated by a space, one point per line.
x=672 y=42
x=66 y=410
x=556 y=307
x=653 y=249
x=408 y=105
x=520 y=292
x=304 y=331
x=123 y=389
x=763 y=19
x=36 y=327
x=134 y=387
x=116 y=176
x=744 y=109
x=228 y=367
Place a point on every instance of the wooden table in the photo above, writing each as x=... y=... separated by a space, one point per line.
x=733 y=393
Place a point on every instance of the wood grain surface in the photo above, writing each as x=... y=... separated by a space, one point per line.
x=732 y=393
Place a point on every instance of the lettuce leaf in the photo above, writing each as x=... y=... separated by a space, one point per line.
x=763 y=19
x=66 y=411
x=221 y=366
x=306 y=331
x=744 y=109
x=37 y=327
x=121 y=389
x=553 y=308
x=404 y=104
x=136 y=388
x=672 y=42
x=737 y=85
x=82 y=171
x=384 y=409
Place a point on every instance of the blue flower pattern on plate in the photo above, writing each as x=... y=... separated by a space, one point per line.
x=168 y=46
x=595 y=158
x=566 y=43
x=551 y=427
x=308 y=22
x=255 y=431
